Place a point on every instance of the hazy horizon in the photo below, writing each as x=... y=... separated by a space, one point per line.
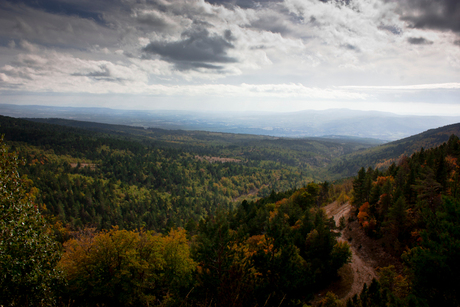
x=308 y=123
x=226 y=112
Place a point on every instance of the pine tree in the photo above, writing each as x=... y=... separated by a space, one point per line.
x=358 y=188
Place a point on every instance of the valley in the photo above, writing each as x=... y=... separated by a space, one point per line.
x=252 y=220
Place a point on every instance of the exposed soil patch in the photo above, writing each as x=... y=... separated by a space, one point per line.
x=92 y=166
x=337 y=210
x=217 y=159
x=352 y=276
x=369 y=249
x=367 y=255
x=252 y=194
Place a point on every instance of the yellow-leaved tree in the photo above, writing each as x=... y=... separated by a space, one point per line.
x=128 y=268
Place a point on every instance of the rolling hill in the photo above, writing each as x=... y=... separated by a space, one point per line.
x=384 y=155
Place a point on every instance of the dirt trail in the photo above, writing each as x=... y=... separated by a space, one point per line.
x=359 y=271
x=337 y=211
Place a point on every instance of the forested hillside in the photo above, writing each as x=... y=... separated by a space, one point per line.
x=273 y=252
x=384 y=155
x=412 y=208
x=107 y=175
x=100 y=215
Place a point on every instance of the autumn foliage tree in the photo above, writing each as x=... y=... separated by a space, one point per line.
x=414 y=210
x=127 y=268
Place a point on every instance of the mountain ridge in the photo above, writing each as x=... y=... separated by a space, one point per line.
x=308 y=123
x=384 y=155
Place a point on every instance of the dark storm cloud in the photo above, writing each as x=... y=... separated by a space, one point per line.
x=340 y=2
x=243 y=3
x=197 y=49
x=258 y=3
x=20 y=21
x=84 y=9
x=431 y=14
x=152 y=20
x=229 y=36
x=457 y=42
x=419 y=41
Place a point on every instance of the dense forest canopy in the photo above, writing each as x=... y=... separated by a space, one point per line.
x=265 y=252
x=123 y=216
x=413 y=209
x=107 y=175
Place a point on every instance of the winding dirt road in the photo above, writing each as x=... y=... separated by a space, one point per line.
x=359 y=271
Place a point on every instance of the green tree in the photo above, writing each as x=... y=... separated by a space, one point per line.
x=359 y=188
x=434 y=263
x=28 y=253
x=428 y=189
x=397 y=218
x=214 y=252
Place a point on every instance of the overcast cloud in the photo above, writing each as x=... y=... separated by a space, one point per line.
x=389 y=55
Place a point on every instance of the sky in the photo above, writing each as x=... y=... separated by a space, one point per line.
x=400 y=56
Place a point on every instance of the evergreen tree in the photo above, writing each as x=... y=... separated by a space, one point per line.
x=28 y=253
x=359 y=188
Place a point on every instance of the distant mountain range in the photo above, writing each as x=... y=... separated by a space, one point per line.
x=311 y=123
